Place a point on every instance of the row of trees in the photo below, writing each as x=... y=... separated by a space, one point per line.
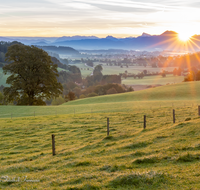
x=76 y=92
x=194 y=75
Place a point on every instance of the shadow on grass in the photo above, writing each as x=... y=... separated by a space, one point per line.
x=188 y=158
x=151 y=160
x=142 y=180
x=137 y=145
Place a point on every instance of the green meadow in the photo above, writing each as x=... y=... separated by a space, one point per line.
x=153 y=80
x=3 y=78
x=109 y=70
x=165 y=155
x=85 y=70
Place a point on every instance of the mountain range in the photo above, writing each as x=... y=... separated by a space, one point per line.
x=165 y=41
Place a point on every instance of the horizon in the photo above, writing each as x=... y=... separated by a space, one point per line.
x=92 y=35
x=47 y=18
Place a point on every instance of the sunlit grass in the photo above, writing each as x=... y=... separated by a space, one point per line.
x=85 y=159
x=176 y=95
x=130 y=158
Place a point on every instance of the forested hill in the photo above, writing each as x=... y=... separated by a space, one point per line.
x=60 y=50
x=3 y=49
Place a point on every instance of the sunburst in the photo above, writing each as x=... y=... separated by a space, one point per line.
x=184 y=36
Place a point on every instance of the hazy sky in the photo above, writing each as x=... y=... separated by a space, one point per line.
x=120 y=18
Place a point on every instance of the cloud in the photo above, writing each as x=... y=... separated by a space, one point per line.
x=57 y=17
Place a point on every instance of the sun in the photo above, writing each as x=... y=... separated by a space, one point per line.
x=184 y=36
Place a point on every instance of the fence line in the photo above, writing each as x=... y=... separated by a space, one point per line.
x=164 y=112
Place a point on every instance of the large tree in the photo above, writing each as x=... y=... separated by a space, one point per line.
x=33 y=76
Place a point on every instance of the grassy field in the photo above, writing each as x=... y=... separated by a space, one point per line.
x=163 y=156
x=108 y=70
x=176 y=94
x=3 y=78
x=61 y=69
x=153 y=80
x=84 y=69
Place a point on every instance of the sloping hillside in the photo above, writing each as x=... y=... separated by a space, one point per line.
x=181 y=91
x=163 y=156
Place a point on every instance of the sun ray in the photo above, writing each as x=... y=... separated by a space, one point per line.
x=194 y=38
x=184 y=37
x=160 y=43
x=195 y=45
x=192 y=84
x=175 y=45
x=196 y=55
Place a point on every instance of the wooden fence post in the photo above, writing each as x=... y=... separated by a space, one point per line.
x=108 y=130
x=199 y=110
x=174 y=119
x=145 y=121
x=53 y=145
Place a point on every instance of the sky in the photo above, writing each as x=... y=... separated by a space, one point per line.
x=119 y=18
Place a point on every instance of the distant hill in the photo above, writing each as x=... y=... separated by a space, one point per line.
x=92 y=44
x=165 y=41
x=69 y=38
x=60 y=50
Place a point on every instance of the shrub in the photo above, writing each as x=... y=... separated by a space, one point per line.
x=82 y=96
x=92 y=94
x=70 y=96
x=111 y=91
x=58 y=101
x=130 y=89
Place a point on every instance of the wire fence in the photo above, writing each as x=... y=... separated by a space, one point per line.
x=183 y=112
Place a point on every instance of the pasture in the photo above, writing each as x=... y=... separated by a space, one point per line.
x=147 y=80
x=162 y=156
x=153 y=80
x=3 y=78
x=85 y=70
x=108 y=70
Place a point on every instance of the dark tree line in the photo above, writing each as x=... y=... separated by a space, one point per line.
x=4 y=48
